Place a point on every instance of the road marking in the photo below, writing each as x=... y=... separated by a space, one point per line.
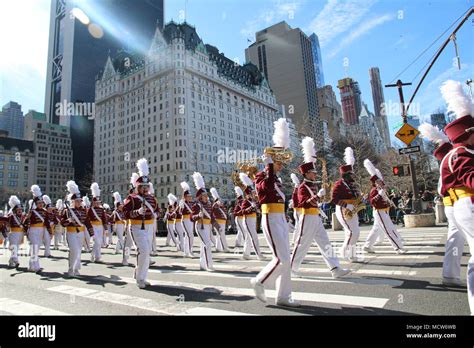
x=211 y=311
x=357 y=301
x=16 y=307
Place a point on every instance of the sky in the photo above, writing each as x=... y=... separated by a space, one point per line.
x=354 y=35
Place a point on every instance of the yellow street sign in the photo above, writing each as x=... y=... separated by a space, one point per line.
x=407 y=133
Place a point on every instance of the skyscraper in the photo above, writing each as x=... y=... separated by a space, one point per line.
x=285 y=56
x=82 y=33
x=317 y=60
x=350 y=100
x=379 y=100
x=439 y=120
x=11 y=120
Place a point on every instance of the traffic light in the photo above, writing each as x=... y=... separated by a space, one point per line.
x=401 y=170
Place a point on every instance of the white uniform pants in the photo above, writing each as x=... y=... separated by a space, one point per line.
x=278 y=270
x=382 y=222
x=297 y=217
x=454 y=247
x=188 y=228
x=142 y=241
x=15 y=239
x=74 y=241
x=170 y=235
x=110 y=232
x=87 y=242
x=178 y=227
x=35 y=235
x=352 y=232
x=58 y=235
x=153 y=236
x=46 y=242
x=221 y=238
x=312 y=228
x=239 y=240
x=464 y=216
x=128 y=243
x=249 y=225
x=98 y=236
x=119 y=228
x=205 y=256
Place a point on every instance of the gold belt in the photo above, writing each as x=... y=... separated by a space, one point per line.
x=178 y=220
x=348 y=201
x=139 y=222
x=221 y=221
x=187 y=216
x=75 y=229
x=447 y=201
x=298 y=209
x=38 y=225
x=253 y=215
x=384 y=209
x=16 y=229
x=96 y=223
x=310 y=211
x=273 y=208
x=204 y=221
x=461 y=192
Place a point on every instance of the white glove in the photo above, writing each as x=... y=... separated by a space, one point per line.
x=201 y=215
x=350 y=207
x=141 y=211
x=321 y=193
x=267 y=159
x=381 y=192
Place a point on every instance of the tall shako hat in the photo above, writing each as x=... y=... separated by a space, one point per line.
x=309 y=155
x=295 y=179
x=433 y=134
x=238 y=191
x=373 y=172
x=73 y=190
x=461 y=104
x=214 y=194
x=37 y=195
x=349 y=159
x=87 y=202
x=59 y=204
x=247 y=182
x=172 y=199
x=14 y=203
x=95 y=192
x=186 y=188
x=143 y=171
x=199 y=184
x=47 y=201
x=117 y=199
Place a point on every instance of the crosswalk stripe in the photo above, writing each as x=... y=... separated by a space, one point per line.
x=212 y=311
x=358 y=301
x=17 y=307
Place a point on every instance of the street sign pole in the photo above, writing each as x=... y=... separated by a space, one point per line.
x=416 y=197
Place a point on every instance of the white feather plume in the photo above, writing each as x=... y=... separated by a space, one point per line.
x=349 y=156
x=46 y=200
x=238 y=191
x=117 y=197
x=86 y=201
x=379 y=174
x=151 y=189
x=185 y=186
x=455 y=96
x=30 y=203
x=369 y=166
x=59 y=204
x=95 y=189
x=72 y=187
x=432 y=134
x=133 y=179
x=295 y=179
x=308 y=149
x=244 y=178
x=36 y=191
x=13 y=201
x=106 y=206
x=172 y=199
x=281 y=135
x=198 y=181
x=214 y=193
x=142 y=165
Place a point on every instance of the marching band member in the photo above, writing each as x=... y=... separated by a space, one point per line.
x=52 y=221
x=382 y=221
x=311 y=227
x=14 y=219
x=140 y=208
x=274 y=225
x=185 y=210
x=238 y=217
x=59 y=229
x=154 y=250
x=178 y=226
x=36 y=221
x=169 y=217
x=86 y=204
x=98 y=219
x=108 y=232
x=219 y=212
x=128 y=240
x=76 y=221
x=296 y=209
x=202 y=218
x=457 y=169
x=455 y=239
x=248 y=209
x=118 y=221
x=344 y=196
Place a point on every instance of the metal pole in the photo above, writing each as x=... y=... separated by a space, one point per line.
x=416 y=196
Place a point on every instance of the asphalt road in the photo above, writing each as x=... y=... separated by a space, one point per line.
x=384 y=284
